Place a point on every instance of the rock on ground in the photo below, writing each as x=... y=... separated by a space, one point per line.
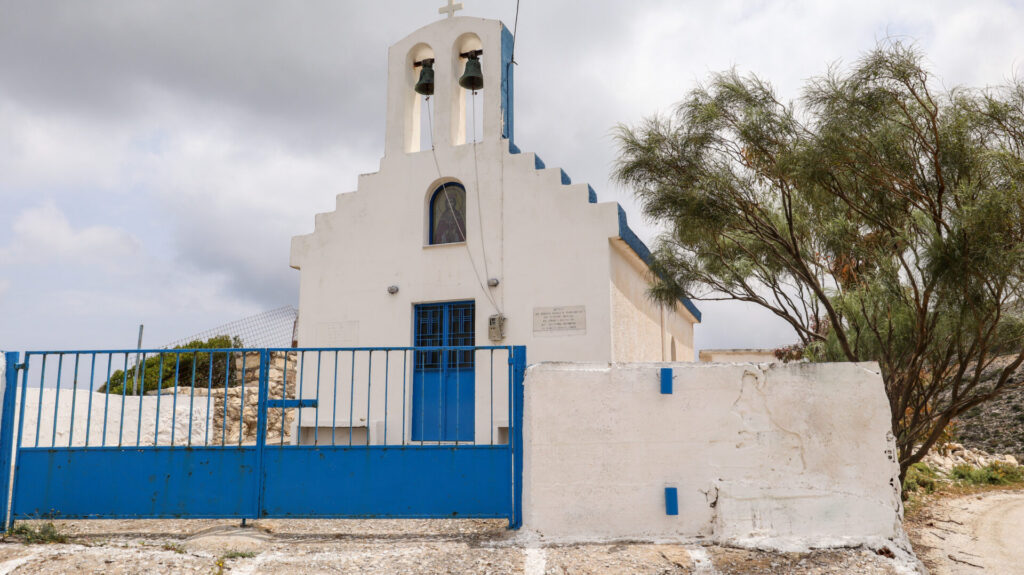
x=943 y=458
x=286 y=547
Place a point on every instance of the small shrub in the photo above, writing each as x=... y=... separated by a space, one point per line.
x=158 y=370
x=239 y=555
x=44 y=533
x=920 y=477
x=1004 y=473
x=177 y=548
x=993 y=474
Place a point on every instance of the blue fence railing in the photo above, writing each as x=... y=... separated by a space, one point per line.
x=78 y=410
x=210 y=397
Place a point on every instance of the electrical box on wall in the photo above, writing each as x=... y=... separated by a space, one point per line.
x=496 y=327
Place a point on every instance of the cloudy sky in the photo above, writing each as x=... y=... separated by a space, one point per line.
x=156 y=157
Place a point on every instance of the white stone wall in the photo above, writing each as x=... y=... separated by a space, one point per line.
x=782 y=455
x=737 y=355
x=128 y=420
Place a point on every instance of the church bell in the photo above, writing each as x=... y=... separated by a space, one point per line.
x=473 y=77
x=425 y=85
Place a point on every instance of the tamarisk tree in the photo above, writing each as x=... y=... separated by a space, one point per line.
x=880 y=215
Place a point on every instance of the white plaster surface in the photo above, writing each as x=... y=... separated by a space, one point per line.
x=737 y=355
x=168 y=413
x=784 y=456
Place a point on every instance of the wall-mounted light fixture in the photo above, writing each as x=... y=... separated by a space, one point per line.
x=392 y=290
x=493 y=282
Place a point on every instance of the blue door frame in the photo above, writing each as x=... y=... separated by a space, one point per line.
x=403 y=480
x=444 y=383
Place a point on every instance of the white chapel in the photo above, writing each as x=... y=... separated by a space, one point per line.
x=460 y=238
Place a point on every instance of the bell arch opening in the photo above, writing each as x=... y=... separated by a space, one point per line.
x=418 y=106
x=467 y=106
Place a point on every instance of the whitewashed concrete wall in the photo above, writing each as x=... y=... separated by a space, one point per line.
x=737 y=355
x=769 y=454
x=130 y=430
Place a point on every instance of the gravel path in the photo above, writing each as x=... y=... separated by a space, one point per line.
x=972 y=535
x=292 y=547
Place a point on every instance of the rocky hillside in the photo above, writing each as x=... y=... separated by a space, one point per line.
x=998 y=426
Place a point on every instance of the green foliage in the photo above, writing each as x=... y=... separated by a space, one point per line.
x=921 y=477
x=881 y=216
x=42 y=533
x=175 y=547
x=239 y=555
x=996 y=473
x=157 y=372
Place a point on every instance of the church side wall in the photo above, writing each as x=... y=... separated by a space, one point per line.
x=636 y=336
x=643 y=330
x=757 y=454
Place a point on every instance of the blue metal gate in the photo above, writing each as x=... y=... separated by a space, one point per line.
x=252 y=433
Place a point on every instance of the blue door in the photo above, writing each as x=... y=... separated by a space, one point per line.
x=443 y=381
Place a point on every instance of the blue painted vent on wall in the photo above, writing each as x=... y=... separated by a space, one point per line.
x=671 y=501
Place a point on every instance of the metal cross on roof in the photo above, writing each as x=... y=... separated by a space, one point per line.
x=450 y=8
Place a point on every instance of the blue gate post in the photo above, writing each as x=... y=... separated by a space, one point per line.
x=518 y=373
x=7 y=435
x=261 y=427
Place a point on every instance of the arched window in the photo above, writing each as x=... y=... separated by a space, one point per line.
x=448 y=214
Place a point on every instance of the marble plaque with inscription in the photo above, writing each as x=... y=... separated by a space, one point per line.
x=561 y=320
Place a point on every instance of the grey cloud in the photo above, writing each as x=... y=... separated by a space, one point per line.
x=185 y=103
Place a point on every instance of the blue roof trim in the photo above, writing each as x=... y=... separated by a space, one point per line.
x=625 y=232
x=513 y=149
x=641 y=249
x=507 y=86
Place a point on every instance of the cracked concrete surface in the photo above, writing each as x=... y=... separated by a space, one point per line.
x=755 y=451
x=293 y=547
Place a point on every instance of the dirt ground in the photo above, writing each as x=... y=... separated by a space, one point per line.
x=286 y=547
x=971 y=534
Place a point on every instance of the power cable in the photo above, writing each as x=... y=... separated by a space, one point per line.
x=451 y=208
x=479 y=200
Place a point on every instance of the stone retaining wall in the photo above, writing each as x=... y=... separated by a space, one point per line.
x=242 y=413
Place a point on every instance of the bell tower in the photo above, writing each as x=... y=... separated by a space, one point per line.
x=448 y=48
